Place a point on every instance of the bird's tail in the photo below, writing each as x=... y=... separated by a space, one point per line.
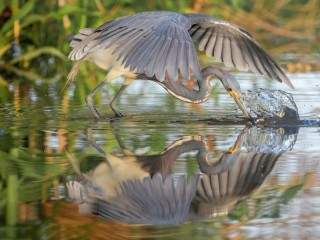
x=72 y=74
x=83 y=33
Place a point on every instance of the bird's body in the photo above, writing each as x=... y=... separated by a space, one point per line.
x=104 y=59
x=99 y=58
x=160 y=46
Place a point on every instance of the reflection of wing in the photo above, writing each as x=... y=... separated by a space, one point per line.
x=233 y=46
x=154 y=43
x=217 y=194
x=150 y=201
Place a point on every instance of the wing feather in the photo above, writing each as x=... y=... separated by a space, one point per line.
x=237 y=56
x=255 y=58
x=125 y=36
x=140 y=51
x=247 y=57
x=132 y=37
x=210 y=46
x=150 y=70
x=126 y=46
x=160 y=67
x=144 y=58
x=184 y=64
x=204 y=41
x=194 y=62
x=198 y=34
x=274 y=68
x=217 y=51
x=234 y=46
x=264 y=65
x=172 y=58
x=105 y=36
x=226 y=53
x=193 y=29
x=131 y=51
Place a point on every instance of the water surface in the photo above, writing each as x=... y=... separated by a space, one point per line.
x=276 y=197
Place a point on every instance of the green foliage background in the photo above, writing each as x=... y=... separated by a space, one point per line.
x=34 y=44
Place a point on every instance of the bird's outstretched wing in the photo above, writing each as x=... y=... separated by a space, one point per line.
x=155 y=43
x=233 y=46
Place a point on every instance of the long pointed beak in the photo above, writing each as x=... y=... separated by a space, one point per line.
x=240 y=103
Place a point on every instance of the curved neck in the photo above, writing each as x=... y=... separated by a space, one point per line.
x=180 y=91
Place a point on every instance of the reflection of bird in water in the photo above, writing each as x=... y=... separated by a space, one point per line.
x=114 y=170
x=244 y=172
x=142 y=189
x=137 y=189
x=160 y=45
x=217 y=194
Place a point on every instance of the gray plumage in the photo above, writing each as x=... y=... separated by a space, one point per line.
x=160 y=46
x=238 y=174
x=150 y=201
x=217 y=194
x=161 y=43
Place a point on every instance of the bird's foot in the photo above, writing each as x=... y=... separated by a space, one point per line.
x=98 y=116
x=118 y=114
x=116 y=117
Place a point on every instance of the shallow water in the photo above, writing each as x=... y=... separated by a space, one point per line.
x=276 y=196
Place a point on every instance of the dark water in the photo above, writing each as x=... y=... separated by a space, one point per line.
x=254 y=182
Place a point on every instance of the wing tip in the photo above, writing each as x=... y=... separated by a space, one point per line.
x=283 y=78
x=288 y=83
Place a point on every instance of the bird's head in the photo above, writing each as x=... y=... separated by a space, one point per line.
x=230 y=84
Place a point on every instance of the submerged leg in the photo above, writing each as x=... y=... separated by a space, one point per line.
x=126 y=83
x=88 y=99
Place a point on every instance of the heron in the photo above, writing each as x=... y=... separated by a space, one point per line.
x=160 y=46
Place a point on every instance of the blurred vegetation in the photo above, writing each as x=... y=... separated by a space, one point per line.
x=34 y=44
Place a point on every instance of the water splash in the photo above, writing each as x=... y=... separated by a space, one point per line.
x=270 y=104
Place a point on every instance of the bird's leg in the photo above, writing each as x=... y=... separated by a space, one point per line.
x=88 y=99
x=126 y=83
